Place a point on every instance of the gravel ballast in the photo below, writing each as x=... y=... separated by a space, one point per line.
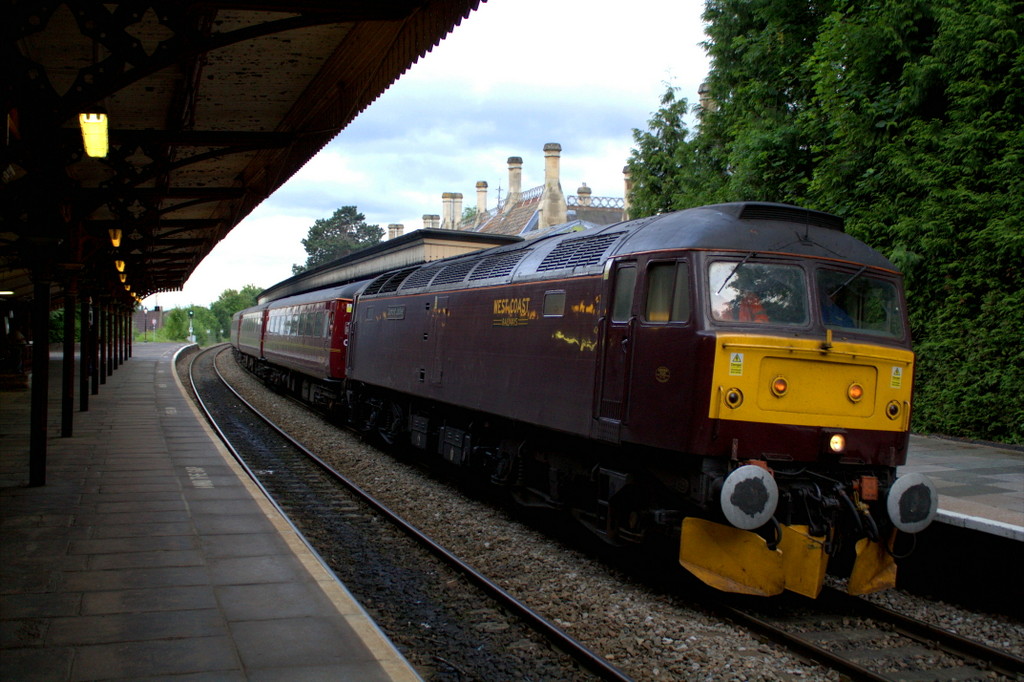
x=648 y=633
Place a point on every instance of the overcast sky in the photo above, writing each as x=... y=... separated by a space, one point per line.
x=513 y=76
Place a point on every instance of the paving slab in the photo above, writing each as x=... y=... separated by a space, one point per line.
x=150 y=554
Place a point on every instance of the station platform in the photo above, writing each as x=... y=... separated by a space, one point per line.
x=150 y=554
x=981 y=487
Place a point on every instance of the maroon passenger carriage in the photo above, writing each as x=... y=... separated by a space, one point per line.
x=299 y=344
x=739 y=374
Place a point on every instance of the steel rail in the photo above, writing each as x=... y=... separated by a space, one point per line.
x=966 y=649
x=1001 y=661
x=802 y=645
x=571 y=646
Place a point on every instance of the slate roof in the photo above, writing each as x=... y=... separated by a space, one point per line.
x=523 y=218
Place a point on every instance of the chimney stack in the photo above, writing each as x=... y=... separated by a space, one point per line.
x=431 y=221
x=704 y=97
x=456 y=210
x=447 y=199
x=584 y=193
x=552 y=202
x=628 y=179
x=515 y=181
x=481 y=202
x=395 y=230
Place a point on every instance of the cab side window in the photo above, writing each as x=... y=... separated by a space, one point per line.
x=668 y=292
x=622 y=303
x=554 y=303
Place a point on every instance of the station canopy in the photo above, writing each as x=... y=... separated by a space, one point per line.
x=211 y=106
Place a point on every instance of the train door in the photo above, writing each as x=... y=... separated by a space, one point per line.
x=338 y=314
x=264 y=323
x=663 y=340
x=617 y=355
x=438 y=321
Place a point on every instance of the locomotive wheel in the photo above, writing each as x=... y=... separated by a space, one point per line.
x=391 y=424
x=507 y=463
x=626 y=522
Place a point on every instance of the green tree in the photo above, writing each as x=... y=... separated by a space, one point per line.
x=343 y=233
x=229 y=303
x=753 y=140
x=906 y=117
x=923 y=103
x=760 y=87
x=204 y=325
x=662 y=163
x=56 y=326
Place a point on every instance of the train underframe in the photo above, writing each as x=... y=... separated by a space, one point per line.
x=627 y=495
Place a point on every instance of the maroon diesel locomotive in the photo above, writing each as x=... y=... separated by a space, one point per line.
x=737 y=374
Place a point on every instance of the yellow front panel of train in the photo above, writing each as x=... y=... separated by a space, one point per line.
x=800 y=382
x=816 y=386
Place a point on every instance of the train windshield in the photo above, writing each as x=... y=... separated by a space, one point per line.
x=758 y=293
x=855 y=301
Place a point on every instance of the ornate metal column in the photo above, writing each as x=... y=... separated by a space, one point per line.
x=85 y=354
x=68 y=379
x=40 y=374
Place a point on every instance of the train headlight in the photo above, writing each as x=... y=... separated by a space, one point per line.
x=892 y=410
x=912 y=502
x=837 y=443
x=779 y=386
x=855 y=392
x=734 y=397
x=749 y=497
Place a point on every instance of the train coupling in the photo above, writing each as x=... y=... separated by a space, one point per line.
x=734 y=558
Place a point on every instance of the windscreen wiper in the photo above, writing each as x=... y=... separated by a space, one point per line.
x=738 y=266
x=847 y=282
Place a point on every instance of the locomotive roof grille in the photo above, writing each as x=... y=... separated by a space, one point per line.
x=497 y=266
x=396 y=280
x=454 y=273
x=374 y=286
x=791 y=214
x=388 y=282
x=577 y=252
x=421 y=277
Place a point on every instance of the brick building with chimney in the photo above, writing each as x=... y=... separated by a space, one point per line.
x=530 y=213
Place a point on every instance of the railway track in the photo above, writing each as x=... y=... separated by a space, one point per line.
x=865 y=641
x=342 y=523
x=839 y=636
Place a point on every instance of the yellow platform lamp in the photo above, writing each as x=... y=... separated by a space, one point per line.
x=94 y=132
x=115 y=236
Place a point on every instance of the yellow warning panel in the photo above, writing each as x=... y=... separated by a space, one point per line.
x=736 y=364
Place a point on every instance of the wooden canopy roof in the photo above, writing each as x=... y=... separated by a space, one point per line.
x=212 y=106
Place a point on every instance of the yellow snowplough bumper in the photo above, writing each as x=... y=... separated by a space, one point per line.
x=734 y=560
x=874 y=569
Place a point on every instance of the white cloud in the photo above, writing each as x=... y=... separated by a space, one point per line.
x=513 y=76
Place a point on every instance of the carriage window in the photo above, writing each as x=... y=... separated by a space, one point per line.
x=758 y=293
x=668 y=293
x=554 y=303
x=852 y=300
x=622 y=303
